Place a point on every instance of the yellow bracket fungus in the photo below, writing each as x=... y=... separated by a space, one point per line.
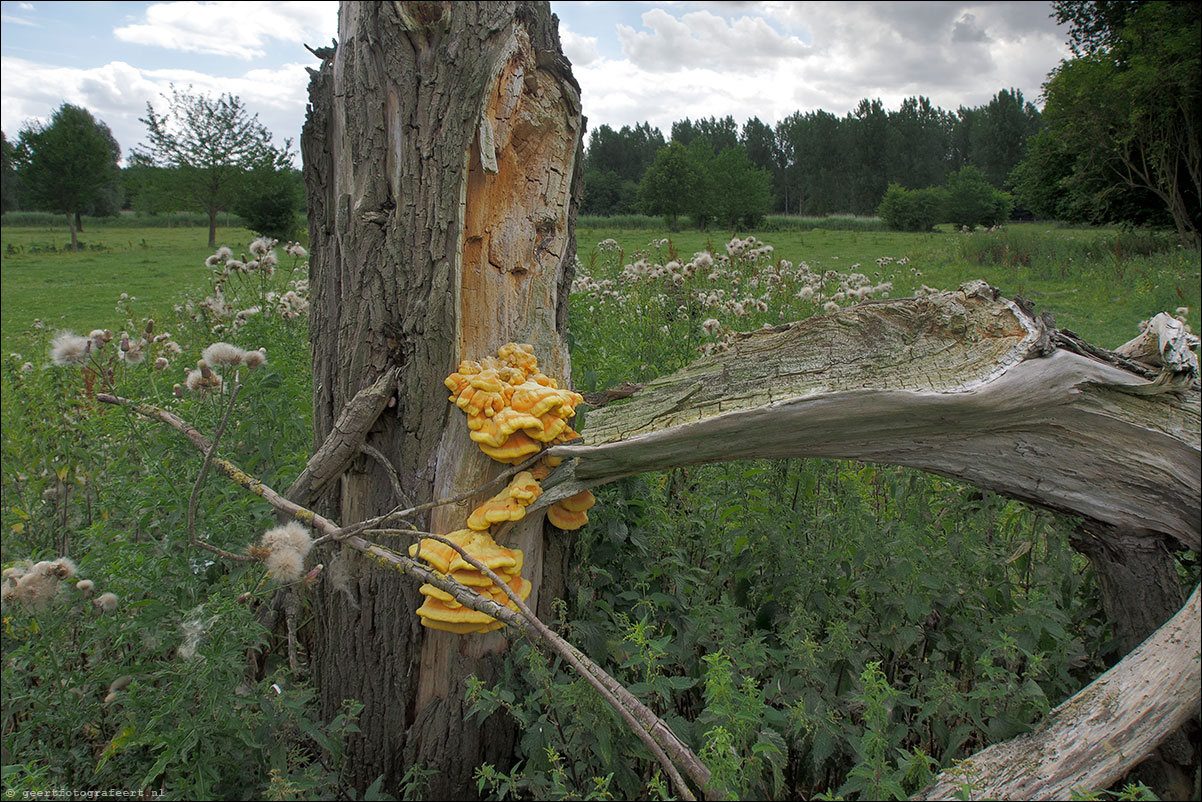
x=513 y=411
x=572 y=512
x=508 y=505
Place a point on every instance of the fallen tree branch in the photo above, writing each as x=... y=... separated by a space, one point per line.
x=608 y=396
x=398 y=514
x=652 y=730
x=1101 y=732
x=345 y=440
x=961 y=384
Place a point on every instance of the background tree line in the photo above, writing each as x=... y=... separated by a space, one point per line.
x=1118 y=142
x=203 y=154
x=810 y=163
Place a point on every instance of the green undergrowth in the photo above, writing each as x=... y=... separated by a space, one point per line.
x=808 y=627
x=131 y=674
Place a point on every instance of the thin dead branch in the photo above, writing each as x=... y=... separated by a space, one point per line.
x=650 y=729
x=193 y=540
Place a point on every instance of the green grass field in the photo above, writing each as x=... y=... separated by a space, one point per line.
x=1074 y=273
x=41 y=279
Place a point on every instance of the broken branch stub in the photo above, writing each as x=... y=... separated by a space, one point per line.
x=964 y=384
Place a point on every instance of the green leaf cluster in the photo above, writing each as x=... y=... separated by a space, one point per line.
x=68 y=165
x=724 y=188
x=1124 y=120
x=968 y=201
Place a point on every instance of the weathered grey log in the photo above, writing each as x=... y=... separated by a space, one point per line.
x=964 y=384
x=1104 y=730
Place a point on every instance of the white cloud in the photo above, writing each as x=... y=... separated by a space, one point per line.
x=117 y=93
x=8 y=19
x=701 y=38
x=234 y=29
x=580 y=50
x=770 y=59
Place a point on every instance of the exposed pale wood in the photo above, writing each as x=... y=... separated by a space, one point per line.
x=958 y=383
x=1165 y=341
x=1100 y=733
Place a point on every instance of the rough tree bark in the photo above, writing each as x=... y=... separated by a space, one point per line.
x=442 y=152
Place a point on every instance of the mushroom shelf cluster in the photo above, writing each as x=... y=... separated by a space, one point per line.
x=513 y=412
x=440 y=610
x=512 y=409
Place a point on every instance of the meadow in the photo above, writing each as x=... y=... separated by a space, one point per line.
x=812 y=628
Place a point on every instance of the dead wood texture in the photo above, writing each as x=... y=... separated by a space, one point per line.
x=964 y=384
x=441 y=150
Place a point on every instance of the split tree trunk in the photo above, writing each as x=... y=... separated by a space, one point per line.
x=442 y=154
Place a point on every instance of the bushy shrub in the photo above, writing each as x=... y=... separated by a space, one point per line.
x=269 y=200
x=972 y=201
x=912 y=209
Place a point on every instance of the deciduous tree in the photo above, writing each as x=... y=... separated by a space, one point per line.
x=671 y=184
x=208 y=143
x=8 y=176
x=67 y=164
x=1126 y=116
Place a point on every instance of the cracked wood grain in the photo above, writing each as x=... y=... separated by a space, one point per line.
x=951 y=383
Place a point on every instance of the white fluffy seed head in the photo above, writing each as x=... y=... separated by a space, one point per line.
x=36 y=588
x=293 y=536
x=69 y=348
x=223 y=354
x=285 y=565
x=64 y=568
x=253 y=359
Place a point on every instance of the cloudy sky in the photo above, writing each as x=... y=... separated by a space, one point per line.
x=636 y=61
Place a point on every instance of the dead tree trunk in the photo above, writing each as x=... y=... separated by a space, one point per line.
x=963 y=384
x=441 y=150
